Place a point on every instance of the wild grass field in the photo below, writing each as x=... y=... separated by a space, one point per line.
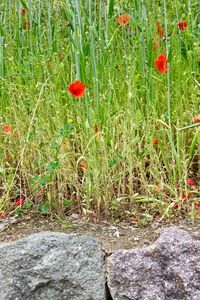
x=100 y=108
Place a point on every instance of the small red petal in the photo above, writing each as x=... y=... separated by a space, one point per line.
x=26 y=25
x=197 y=205
x=160 y=32
x=6 y=129
x=83 y=166
x=135 y=219
x=182 y=25
x=19 y=201
x=3 y=214
x=155 y=141
x=161 y=63
x=186 y=196
x=77 y=89
x=176 y=205
x=23 y=11
x=158 y=186
x=196 y=119
x=190 y=182
x=96 y=129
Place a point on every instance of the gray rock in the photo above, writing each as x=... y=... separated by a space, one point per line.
x=52 y=266
x=169 y=269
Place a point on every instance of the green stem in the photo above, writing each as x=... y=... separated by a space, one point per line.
x=168 y=87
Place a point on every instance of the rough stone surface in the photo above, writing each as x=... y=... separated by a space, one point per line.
x=169 y=269
x=52 y=266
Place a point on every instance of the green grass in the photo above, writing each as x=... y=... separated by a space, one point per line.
x=111 y=130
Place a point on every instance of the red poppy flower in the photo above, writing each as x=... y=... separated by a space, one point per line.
x=190 y=182
x=23 y=11
x=182 y=25
x=77 y=89
x=19 y=201
x=155 y=141
x=6 y=129
x=135 y=219
x=161 y=63
x=123 y=19
x=196 y=119
x=160 y=30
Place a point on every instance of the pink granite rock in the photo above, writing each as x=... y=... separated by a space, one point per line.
x=169 y=269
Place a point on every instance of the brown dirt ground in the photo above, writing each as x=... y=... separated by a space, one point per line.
x=112 y=236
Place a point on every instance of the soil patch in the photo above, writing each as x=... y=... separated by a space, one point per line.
x=112 y=236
